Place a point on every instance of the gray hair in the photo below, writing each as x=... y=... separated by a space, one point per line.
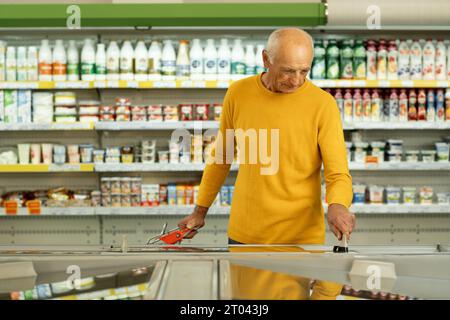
x=272 y=42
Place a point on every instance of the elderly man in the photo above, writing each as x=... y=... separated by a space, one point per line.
x=283 y=207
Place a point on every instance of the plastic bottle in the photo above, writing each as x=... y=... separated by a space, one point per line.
x=448 y=62
x=332 y=60
x=359 y=60
x=357 y=106
x=340 y=102
x=32 y=64
x=382 y=61
x=154 y=61
x=100 y=62
x=319 y=62
x=127 y=61
x=376 y=106
x=210 y=60
x=112 y=61
x=183 y=63
x=11 y=64
x=366 y=105
x=403 y=61
x=392 y=61
x=59 y=65
x=422 y=107
x=412 y=105
x=431 y=106
x=447 y=104
x=249 y=59
x=415 y=66
x=21 y=63
x=440 y=105
x=45 y=61
x=259 y=62
x=403 y=106
x=348 y=106
x=73 y=62
x=237 y=60
x=141 y=62
x=168 y=61
x=429 y=57
x=440 y=70
x=223 y=60
x=393 y=106
x=196 y=56
x=346 y=60
x=88 y=61
x=371 y=55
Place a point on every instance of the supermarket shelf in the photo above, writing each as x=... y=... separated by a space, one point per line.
x=154 y=125
x=144 y=167
x=223 y=210
x=211 y=84
x=192 y=167
x=45 y=126
x=407 y=166
x=17 y=168
x=411 y=125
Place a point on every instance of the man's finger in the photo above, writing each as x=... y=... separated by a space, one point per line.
x=191 y=234
x=336 y=232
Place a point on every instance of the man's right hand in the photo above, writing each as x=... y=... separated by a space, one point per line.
x=194 y=221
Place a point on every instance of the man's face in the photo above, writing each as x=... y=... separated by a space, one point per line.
x=288 y=68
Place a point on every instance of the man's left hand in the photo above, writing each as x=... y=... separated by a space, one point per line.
x=340 y=220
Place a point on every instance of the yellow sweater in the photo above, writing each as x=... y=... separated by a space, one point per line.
x=283 y=207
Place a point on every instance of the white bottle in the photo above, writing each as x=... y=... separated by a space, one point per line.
x=237 y=60
x=403 y=61
x=429 y=60
x=45 y=61
x=73 y=62
x=126 y=61
x=100 y=62
x=112 y=61
x=141 y=62
x=11 y=64
x=223 y=60
x=249 y=59
x=32 y=64
x=210 y=60
x=382 y=62
x=259 y=62
x=59 y=64
x=22 y=72
x=154 y=61
x=183 y=63
x=441 y=66
x=415 y=67
x=448 y=64
x=392 y=61
x=168 y=61
x=88 y=61
x=196 y=57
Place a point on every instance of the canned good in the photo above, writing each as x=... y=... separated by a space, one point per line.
x=395 y=145
x=115 y=185
x=135 y=200
x=125 y=200
x=442 y=151
x=107 y=109
x=394 y=156
x=156 y=109
x=96 y=198
x=155 y=117
x=106 y=200
x=359 y=193
x=125 y=185
x=180 y=194
x=163 y=194
x=201 y=111
x=99 y=156
x=376 y=194
x=89 y=118
x=136 y=185
x=189 y=195
x=105 y=185
x=122 y=101
x=86 y=152
x=116 y=199
x=412 y=156
x=139 y=110
x=378 y=150
x=360 y=151
x=123 y=110
x=428 y=155
x=113 y=151
x=123 y=117
x=107 y=117
x=138 y=117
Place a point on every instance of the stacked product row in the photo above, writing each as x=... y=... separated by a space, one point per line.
x=23 y=106
x=382 y=60
x=189 y=60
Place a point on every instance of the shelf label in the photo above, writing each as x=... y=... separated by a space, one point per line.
x=165 y=84
x=407 y=83
x=11 y=207
x=345 y=83
x=442 y=84
x=222 y=84
x=132 y=84
x=384 y=84
x=112 y=84
x=359 y=83
x=99 y=84
x=34 y=207
x=199 y=84
x=64 y=167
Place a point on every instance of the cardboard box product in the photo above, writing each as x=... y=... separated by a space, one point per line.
x=10 y=106
x=24 y=106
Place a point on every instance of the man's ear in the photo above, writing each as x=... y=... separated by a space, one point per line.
x=265 y=56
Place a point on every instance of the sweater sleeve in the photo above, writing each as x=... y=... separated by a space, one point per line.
x=334 y=156
x=222 y=154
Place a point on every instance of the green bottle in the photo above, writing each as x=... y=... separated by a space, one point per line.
x=346 y=60
x=359 y=60
x=332 y=60
x=318 y=66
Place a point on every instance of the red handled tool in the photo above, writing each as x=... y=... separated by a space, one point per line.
x=171 y=237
